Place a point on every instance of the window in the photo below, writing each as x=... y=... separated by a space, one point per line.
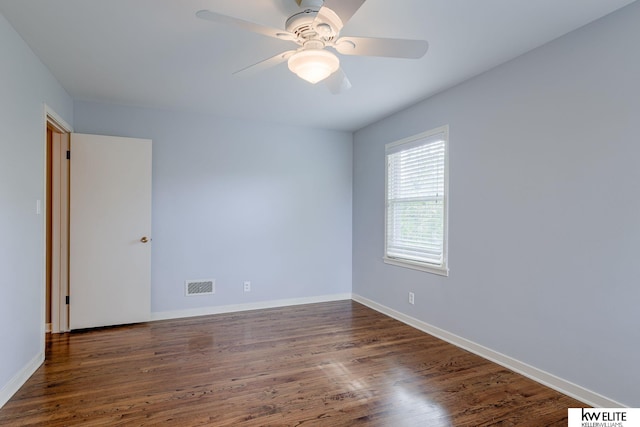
x=416 y=205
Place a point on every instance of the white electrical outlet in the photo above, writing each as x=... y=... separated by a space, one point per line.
x=412 y=298
x=247 y=286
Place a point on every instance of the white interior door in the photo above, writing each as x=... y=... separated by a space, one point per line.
x=110 y=231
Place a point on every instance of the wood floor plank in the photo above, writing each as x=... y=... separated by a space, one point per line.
x=329 y=364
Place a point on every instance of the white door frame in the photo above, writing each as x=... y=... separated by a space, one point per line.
x=59 y=289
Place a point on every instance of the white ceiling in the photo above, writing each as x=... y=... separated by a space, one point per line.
x=157 y=54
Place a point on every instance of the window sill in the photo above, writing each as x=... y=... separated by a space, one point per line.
x=441 y=271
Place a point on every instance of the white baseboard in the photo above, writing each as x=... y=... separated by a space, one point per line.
x=563 y=386
x=204 y=311
x=20 y=378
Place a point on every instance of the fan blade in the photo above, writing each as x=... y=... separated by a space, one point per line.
x=267 y=63
x=369 y=46
x=338 y=82
x=338 y=12
x=246 y=25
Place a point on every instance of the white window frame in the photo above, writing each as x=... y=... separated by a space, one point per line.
x=411 y=142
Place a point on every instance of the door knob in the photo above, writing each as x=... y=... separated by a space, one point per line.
x=144 y=239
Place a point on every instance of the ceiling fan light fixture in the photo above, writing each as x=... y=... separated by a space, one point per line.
x=313 y=65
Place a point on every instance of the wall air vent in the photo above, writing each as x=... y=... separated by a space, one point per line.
x=200 y=287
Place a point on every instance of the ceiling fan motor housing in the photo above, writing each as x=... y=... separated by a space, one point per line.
x=306 y=25
x=300 y=23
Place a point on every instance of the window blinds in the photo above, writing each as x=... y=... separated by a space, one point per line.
x=415 y=200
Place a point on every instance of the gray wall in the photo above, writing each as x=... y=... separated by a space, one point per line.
x=239 y=201
x=544 y=209
x=25 y=85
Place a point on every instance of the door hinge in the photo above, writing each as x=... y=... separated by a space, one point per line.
x=68 y=154
x=66 y=300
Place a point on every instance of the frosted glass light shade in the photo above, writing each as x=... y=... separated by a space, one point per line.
x=313 y=65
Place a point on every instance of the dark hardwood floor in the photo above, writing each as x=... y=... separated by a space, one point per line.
x=328 y=364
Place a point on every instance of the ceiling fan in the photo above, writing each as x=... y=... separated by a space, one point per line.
x=316 y=27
